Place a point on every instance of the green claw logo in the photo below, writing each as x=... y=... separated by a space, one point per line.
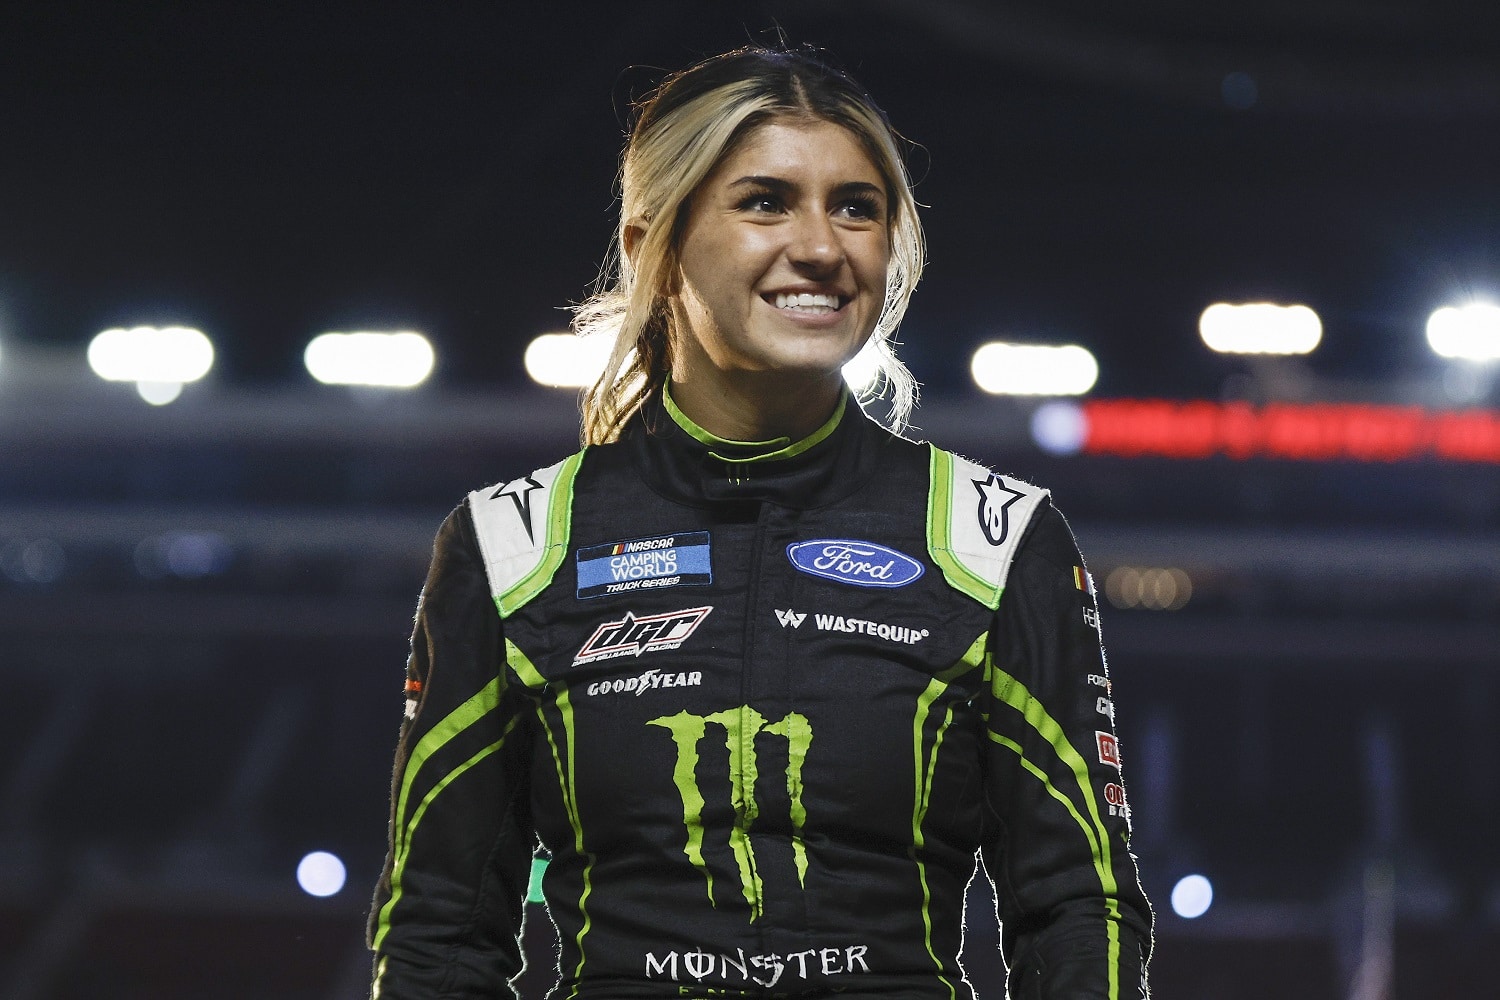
x=741 y=726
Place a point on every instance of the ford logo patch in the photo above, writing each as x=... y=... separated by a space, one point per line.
x=864 y=564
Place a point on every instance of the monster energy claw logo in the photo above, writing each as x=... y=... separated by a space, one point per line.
x=741 y=726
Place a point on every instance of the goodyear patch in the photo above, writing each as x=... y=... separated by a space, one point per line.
x=642 y=564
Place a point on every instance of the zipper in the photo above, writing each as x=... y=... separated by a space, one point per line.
x=746 y=731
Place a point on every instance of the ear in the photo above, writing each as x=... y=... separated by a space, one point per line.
x=633 y=234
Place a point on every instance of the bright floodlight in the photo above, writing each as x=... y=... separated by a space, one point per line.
x=320 y=874
x=389 y=360
x=1059 y=428
x=159 y=393
x=151 y=354
x=1033 y=370
x=1260 y=328
x=1192 y=896
x=565 y=360
x=1471 y=332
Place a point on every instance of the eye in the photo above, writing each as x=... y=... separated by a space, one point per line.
x=760 y=201
x=861 y=207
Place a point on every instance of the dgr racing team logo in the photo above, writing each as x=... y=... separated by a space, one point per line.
x=633 y=636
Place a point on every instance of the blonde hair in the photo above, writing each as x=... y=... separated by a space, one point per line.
x=683 y=130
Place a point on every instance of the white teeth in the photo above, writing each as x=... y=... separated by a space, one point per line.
x=806 y=300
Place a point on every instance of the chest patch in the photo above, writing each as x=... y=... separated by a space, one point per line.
x=632 y=635
x=645 y=564
x=859 y=563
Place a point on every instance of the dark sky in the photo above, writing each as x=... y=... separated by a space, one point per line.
x=269 y=172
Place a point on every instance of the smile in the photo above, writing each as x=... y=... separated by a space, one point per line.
x=808 y=301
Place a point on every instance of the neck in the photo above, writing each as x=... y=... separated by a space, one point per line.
x=758 y=406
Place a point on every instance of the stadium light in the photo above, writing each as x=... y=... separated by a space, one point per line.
x=1192 y=896
x=1153 y=588
x=1470 y=332
x=1059 y=428
x=159 y=393
x=159 y=360
x=399 y=360
x=1034 y=370
x=565 y=360
x=320 y=874
x=1260 y=328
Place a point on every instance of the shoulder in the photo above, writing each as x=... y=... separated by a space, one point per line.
x=522 y=528
x=976 y=520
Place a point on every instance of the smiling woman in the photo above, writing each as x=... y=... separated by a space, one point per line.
x=840 y=715
x=769 y=171
x=782 y=271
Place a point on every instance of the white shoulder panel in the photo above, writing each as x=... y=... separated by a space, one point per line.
x=976 y=522
x=519 y=526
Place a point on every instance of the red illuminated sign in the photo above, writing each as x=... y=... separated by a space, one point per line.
x=1299 y=431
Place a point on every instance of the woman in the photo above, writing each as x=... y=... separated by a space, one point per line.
x=742 y=665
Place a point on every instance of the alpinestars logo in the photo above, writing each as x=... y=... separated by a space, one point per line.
x=634 y=636
x=519 y=491
x=995 y=499
x=736 y=786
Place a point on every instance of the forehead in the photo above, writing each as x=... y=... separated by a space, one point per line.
x=808 y=151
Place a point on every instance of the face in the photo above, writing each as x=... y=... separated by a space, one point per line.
x=783 y=258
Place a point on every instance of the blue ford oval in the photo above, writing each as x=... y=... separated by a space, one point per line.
x=848 y=560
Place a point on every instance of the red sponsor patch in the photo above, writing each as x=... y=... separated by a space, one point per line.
x=1109 y=749
x=1115 y=796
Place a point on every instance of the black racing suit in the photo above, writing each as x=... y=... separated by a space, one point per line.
x=764 y=704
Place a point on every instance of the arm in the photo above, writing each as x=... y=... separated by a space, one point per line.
x=1075 y=923
x=448 y=907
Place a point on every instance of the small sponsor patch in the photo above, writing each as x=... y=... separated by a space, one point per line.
x=681 y=560
x=839 y=623
x=1105 y=707
x=790 y=617
x=1115 y=796
x=847 y=560
x=1109 y=749
x=1082 y=580
x=632 y=636
x=648 y=680
x=1099 y=680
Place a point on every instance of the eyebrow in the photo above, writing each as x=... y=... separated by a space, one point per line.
x=781 y=185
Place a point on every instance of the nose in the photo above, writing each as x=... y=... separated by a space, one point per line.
x=814 y=245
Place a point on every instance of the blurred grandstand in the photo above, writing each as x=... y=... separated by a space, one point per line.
x=204 y=612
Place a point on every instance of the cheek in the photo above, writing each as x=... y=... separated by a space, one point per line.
x=873 y=255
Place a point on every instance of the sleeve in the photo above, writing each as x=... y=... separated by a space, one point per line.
x=1074 y=921
x=448 y=907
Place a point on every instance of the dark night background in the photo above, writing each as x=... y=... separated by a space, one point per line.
x=1313 y=730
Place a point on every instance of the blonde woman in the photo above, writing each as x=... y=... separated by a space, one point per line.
x=763 y=678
